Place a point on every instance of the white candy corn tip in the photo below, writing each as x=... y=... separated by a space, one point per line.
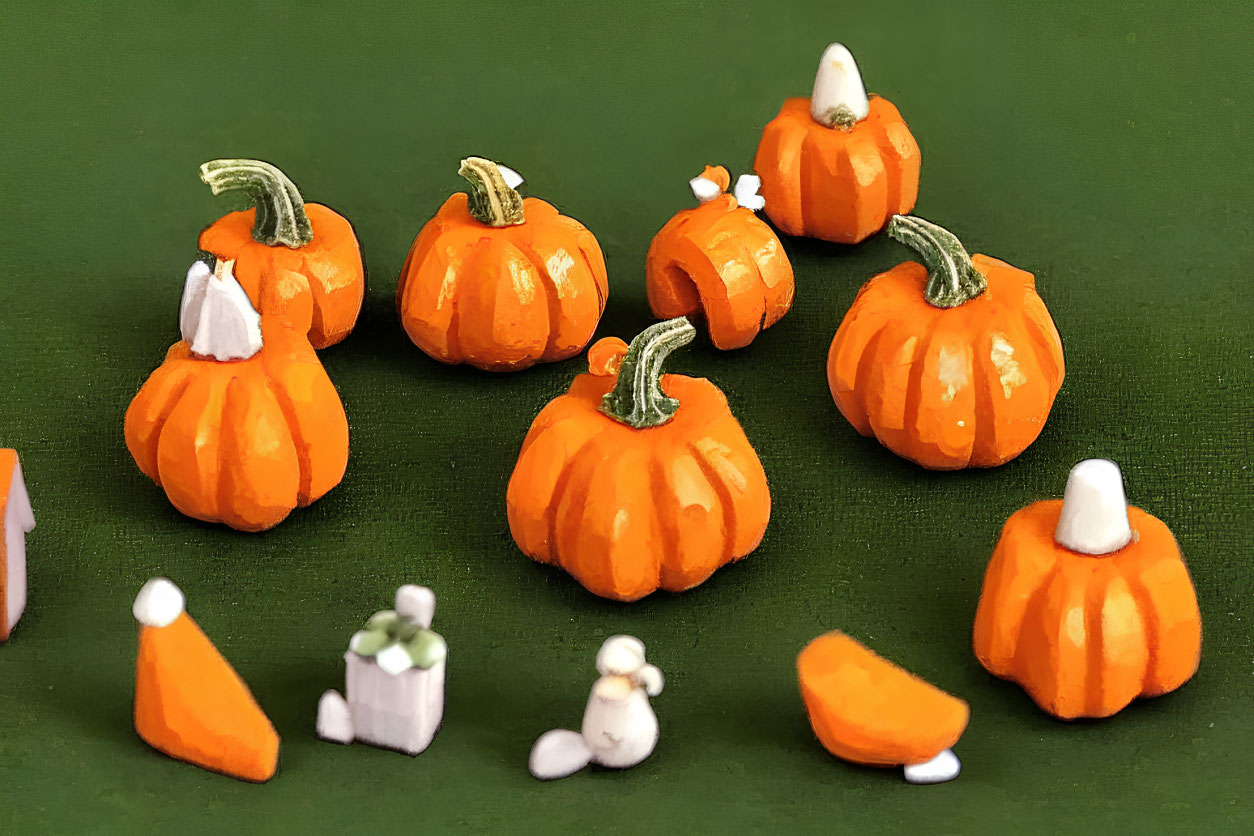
x=746 y=192
x=416 y=603
x=839 y=97
x=512 y=178
x=704 y=189
x=620 y=656
x=216 y=317
x=1094 y=518
x=944 y=767
x=158 y=603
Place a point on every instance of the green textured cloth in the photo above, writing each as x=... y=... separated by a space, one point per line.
x=1107 y=149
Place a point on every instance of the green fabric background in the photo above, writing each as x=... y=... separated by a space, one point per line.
x=1108 y=151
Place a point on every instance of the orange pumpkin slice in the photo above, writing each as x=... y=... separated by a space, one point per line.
x=189 y=702
x=870 y=711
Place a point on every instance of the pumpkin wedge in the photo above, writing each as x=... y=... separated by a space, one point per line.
x=867 y=710
x=189 y=702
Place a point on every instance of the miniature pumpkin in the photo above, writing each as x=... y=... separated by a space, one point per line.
x=720 y=262
x=951 y=365
x=867 y=710
x=297 y=260
x=1087 y=603
x=240 y=424
x=634 y=481
x=499 y=281
x=17 y=519
x=837 y=165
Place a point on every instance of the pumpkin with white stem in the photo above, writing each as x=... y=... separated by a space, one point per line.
x=240 y=424
x=1087 y=603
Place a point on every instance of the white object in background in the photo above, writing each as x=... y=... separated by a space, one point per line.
x=394 y=679
x=746 y=192
x=944 y=767
x=1094 y=517
x=17 y=520
x=216 y=317
x=619 y=727
x=839 y=98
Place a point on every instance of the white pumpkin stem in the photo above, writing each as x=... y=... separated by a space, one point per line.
x=704 y=189
x=839 y=99
x=746 y=192
x=216 y=317
x=1094 y=518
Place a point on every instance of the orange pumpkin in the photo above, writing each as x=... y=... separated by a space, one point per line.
x=499 y=281
x=954 y=364
x=719 y=262
x=867 y=710
x=634 y=480
x=1086 y=626
x=837 y=165
x=240 y=424
x=297 y=260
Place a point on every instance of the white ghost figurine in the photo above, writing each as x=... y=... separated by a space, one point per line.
x=619 y=727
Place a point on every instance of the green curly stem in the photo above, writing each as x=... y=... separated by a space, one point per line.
x=281 y=217
x=637 y=398
x=951 y=277
x=492 y=201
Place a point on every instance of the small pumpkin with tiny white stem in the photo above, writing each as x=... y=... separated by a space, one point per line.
x=1087 y=603
x=719 y=263
x=840 y=164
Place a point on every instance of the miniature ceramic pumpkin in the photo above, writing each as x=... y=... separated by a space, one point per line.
x=297 y=260
x=837 y=165
x=953 y=364
x=720 y=263
x=17 y=519
x=634 y=481
x=1087 y=603
x=867 y=710
x=499 y=281
x=240 y=424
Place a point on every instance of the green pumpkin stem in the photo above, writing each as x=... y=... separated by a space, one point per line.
x=951 y=277
x=492 y=201
x=281 y=217
x=637 y=398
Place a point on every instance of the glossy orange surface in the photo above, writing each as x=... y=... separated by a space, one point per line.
x=835 y=184
x=241 y=442
x=719 y=263
x=502 y=298
x=1085 y=635
x=867 y=710
x=627 y=511
x=948 y=388
x=317 y=288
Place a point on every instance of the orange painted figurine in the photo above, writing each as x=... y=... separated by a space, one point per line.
x=499 y=281
x=719 y=263
x=240 y=424
x=297 y=260
x=839 y=164
x=16 y=521
x=866 y=710
x=189 y=702
x=951 y=363
x=634 y=480
x=1087 y=603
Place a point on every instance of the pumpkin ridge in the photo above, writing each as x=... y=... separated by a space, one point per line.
x=864 y=218
x=572 y=492
x=552 y=298
x=663 y=520
x=984 y=447
x=211 y=381
x=1033 y=608
x=914 y=388
x=1046 y=348
x=725 y=498
x=888 y=156
x=870 y=353
x=1145 y=605
x=283 y=399
x=157 y=425
x=807 y=198
x=226 y=481
x=1095 y=640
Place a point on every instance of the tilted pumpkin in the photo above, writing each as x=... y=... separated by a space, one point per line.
x=867 y=710
x=634 y=481
x=953 y=364
x=1087 y=603
x=839 y=164
x=240 y=424
x=500 y=281
x=720 y=263
x=297 y=260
